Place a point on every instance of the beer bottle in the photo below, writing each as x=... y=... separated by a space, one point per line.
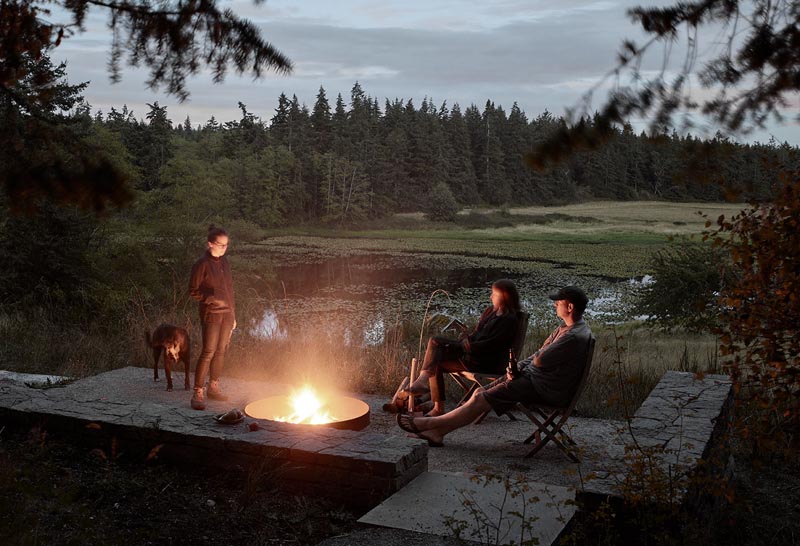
x=512 y=363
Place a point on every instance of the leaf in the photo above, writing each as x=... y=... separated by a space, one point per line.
x=154 y=453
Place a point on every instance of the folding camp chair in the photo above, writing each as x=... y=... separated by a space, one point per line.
x=472 y=381
x=550 y=420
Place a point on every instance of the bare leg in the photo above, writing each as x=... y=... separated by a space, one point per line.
x=437 y=384
x=420 y=384
x=435 y=428
x=438 y=409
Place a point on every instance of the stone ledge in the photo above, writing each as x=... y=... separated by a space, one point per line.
x=683 y=422
x=359 y=469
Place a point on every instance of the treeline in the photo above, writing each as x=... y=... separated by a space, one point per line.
x=359 y=159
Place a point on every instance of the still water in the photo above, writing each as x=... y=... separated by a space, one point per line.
x=361 y=299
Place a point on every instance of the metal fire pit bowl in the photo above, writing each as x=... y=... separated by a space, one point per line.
x=350 y=413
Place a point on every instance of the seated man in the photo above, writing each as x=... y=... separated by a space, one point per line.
x=549 y=376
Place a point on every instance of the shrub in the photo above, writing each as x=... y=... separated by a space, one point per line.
x=245 y=231
x=442 y=206
x=760 y=314
x=687 y=280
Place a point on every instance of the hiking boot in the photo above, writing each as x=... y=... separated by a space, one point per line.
x=214 y=392
x=198 y=400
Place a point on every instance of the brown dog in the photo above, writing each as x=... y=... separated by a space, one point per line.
x=173 y=343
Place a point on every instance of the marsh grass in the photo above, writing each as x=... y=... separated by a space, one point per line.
x=42 y=344
x=644 y=356
x=324 y=359
x=634 y=358
x=583 y=243
x=608 y=255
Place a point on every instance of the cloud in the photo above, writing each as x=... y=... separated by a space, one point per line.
x=539 y=53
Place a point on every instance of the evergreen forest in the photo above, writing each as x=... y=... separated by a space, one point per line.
x=343 y=161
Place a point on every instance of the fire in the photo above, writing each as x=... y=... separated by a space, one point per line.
x=308 y=409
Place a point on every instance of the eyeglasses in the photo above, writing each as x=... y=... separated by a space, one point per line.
x=220 y=245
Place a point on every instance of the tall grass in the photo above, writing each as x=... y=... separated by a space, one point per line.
x=46 y=345
x=42 y=343
x=634 y=358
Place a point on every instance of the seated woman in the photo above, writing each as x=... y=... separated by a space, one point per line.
x=484 y=350
x=549 y=376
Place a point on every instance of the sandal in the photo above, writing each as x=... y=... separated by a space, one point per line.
x=230 y=418
x=406 y=422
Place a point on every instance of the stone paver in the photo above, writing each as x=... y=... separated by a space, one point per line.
x=30 y=378
x=485 y=510
x=682 y=420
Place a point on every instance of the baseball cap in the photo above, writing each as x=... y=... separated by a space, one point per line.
x=572 y=294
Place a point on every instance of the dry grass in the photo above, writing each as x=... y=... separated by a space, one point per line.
x=630 y=360
x=643 y=211
x=609 y=217
x=49 y=344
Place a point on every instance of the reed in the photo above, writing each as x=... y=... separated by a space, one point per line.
x=334 y=359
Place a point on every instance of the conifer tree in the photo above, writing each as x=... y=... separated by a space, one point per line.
x=157 y=149
x=321 y=123
x=461 y=172
x=492 y=181
x=279 y=124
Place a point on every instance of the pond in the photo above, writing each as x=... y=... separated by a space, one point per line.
x=363 y=298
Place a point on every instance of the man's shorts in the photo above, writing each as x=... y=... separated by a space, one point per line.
x=503 y=394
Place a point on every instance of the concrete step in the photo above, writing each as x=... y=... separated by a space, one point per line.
x=478 y=508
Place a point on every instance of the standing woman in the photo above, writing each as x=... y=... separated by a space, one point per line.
x=211 y=285
x=485 y=349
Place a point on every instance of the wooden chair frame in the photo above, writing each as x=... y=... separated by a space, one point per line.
x=550 y=420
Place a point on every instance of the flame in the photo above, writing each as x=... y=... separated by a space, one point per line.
x=307 y=408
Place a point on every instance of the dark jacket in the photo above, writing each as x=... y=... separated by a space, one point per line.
x=492 y=338
x=212 y=285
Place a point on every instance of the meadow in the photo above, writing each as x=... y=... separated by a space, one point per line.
x=349 y=307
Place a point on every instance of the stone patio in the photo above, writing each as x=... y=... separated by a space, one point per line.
x=683 y=417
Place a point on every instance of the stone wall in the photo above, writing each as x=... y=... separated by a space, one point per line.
x=681 y=431
x=360 y=469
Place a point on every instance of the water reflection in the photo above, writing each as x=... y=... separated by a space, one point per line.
x=359 y=300
x=361 y=277
x=269 y=327
x=375 y=334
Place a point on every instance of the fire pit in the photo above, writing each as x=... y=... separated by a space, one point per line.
x=305 y=407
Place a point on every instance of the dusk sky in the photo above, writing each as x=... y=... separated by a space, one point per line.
x=542 y=54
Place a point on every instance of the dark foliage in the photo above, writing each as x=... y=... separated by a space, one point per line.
x=748 y=77
x=48 y=258
x=442 y=206
x=41 y=154
x=686 y=281
x=761 y=314
x=45 y=153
